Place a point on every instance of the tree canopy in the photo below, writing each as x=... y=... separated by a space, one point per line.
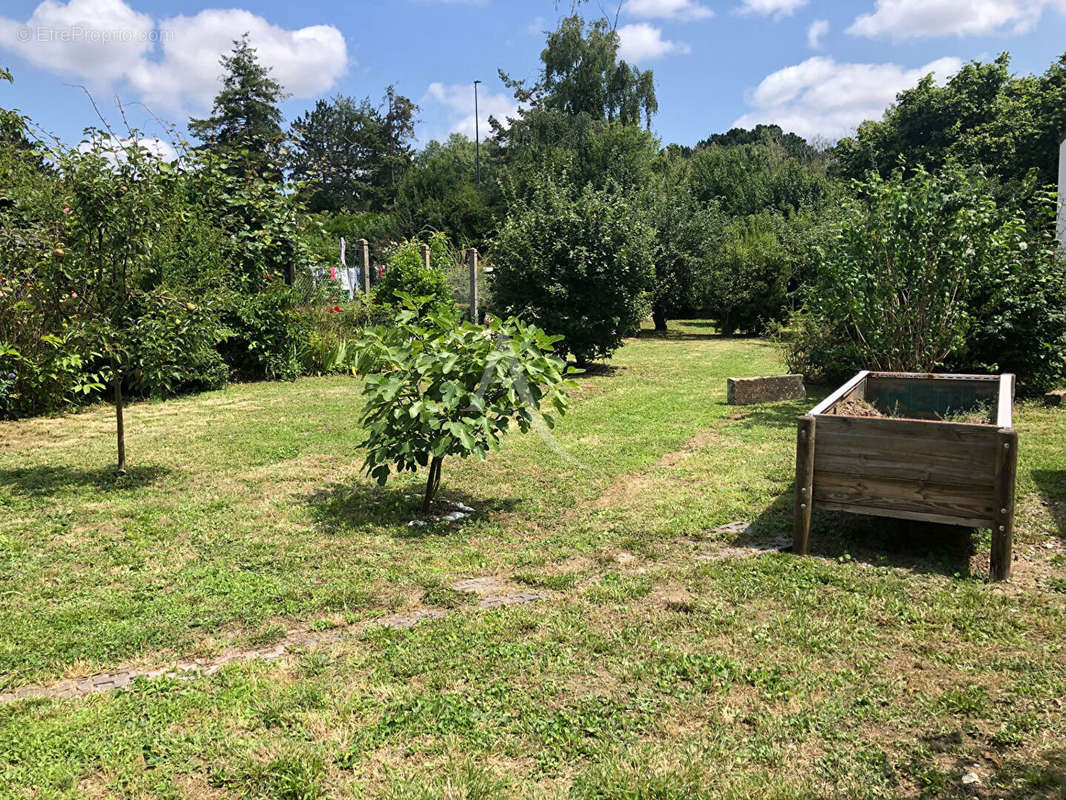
x=352 y=154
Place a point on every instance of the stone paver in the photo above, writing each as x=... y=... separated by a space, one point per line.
x=110 y=681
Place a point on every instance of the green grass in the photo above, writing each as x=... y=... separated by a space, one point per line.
x=884 y=666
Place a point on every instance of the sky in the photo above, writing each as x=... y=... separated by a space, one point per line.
x=815 y=67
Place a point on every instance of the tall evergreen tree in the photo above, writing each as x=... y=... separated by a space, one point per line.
x=352 y=154
x=245 y=119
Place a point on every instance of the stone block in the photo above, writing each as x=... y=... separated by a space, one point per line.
x=748 y=391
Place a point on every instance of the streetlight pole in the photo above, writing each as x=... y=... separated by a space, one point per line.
x=477 y=135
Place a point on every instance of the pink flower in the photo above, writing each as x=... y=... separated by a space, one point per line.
x=67 y=210
x=73 y=294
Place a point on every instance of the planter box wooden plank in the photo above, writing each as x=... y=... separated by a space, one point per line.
x=917 y=466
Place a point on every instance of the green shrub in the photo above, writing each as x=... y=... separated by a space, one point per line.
x=267 y=335
x=927 y=272
x=749 y=280
x=407 y=274
x=578 y=264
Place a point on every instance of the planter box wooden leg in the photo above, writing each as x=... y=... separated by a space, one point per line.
x=1003 y=532
x=801 y=531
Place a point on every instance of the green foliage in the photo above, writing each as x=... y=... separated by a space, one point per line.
x=1019 y=309
x=350 y=155
x=263 y=231
x=749 y=280
x=765 y=175
x=581 y=74
x=407 y=275
x=687 y=236
x=927 y=272
x=322 y=234
x=331 y=339
x=121 y=318
x=578 y=263
x=439 y=192
x=245 y=120
x=438 y=387
x=587 y=150
x=267 y=334
x=982 y=115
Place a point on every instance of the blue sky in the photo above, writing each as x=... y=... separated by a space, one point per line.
x=814 y=66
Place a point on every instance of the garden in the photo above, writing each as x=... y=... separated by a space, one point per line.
x=492 y=529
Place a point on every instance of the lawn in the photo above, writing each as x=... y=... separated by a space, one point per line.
x=668 y=653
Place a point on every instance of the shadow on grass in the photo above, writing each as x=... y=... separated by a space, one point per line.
x=679 y=335
x=1052 y=484
x=880 y=541
x=45 y=481
x=345 y=508
x=597 y=369
x=773 y=415
x=1032 y=778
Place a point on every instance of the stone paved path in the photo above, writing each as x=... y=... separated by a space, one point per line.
x=109 y=681
x=491 y=591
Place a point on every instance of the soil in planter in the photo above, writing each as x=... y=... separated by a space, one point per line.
x=980 y=414
x=855 y=408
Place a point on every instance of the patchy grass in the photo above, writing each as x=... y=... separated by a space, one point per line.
x=883 y=666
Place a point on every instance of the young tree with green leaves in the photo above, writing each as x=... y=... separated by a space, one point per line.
x=437 y=386
x=926 y=271
x=121 y=313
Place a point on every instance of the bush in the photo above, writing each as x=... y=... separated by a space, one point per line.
x=407 y=274
x=437 y=387
x=266 y=334
x=927 y=272
x=750 y=276
x=333 y=333
x=578 y=264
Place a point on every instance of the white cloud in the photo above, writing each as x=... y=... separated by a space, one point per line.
x=96 y=40
x=776 y=8
x=667 y=9
x=115 y=147
x=821 y=97
x=172 y=63
x=458 y=100
x=904 y=19
x=643 y=42
x=818 y=29
x=306 y=62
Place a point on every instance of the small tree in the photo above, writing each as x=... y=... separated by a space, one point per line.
x=437 y=387
x=120 y=313
x=579 y=264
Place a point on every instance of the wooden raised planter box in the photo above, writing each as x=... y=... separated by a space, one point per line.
x=915 y=464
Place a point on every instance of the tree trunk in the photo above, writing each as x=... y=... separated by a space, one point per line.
x=658 y=316
x=120 y=426
x=432 y=483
